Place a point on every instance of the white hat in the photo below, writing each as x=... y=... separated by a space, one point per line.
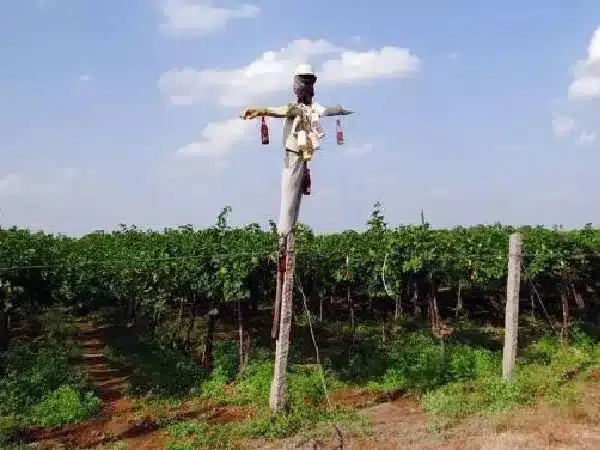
x=304 y=69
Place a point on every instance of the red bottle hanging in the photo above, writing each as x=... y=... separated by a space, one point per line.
x=339 y=132
x=264 y=132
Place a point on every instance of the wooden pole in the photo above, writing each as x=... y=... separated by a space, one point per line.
x=277 y=399
x=513 y=284
x=281 y=265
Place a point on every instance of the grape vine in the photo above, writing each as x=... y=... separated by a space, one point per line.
x=154 y=270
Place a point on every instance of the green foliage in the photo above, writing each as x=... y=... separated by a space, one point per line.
x=41 y=386
x=547 y=371
x=180 y=446
x=304 y=383
x=485 y=395
x=417 y=362
x=276 y=426
x=118 y=446
x=224 y=263
x=254 y=386
x=305 y=407
x=225 y=359
x=33 y=371
x=264 y=425
x=157 y=369
x=9 y=430
x=66 y=404
x=160 y=271
x=225 y=368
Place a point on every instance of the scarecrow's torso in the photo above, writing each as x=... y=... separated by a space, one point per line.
x=290 y=140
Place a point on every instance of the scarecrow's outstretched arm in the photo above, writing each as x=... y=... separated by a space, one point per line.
x=290 y=110
x=280 y=112
x=336 y=111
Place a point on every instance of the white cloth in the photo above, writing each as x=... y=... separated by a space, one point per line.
x=290 y=139
x=294 y=168
x=291 y=191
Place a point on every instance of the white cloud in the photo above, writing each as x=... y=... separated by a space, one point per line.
x=586 y=72
x=272 y=73
x=562 y=125
x=85 y=77
x=218 y=138
x=197 y=18
x=389 y=62
x=585 y=85
x=587 y=137
x=269 y=74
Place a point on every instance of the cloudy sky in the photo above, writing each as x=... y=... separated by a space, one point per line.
x=124 y=111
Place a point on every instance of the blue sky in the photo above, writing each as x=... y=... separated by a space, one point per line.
x=125 y=111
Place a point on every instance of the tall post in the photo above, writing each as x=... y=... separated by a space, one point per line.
x=513 y=284
x=281 y=263
x=277 y=399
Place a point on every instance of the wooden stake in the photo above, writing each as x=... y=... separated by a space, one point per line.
x=278 y=397
x=281 y=262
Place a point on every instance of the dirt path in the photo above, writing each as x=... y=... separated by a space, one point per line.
x=119 y=420
x=109 y=382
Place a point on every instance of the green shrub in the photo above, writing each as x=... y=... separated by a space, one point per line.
x=416 y=363
x=546 y=370
x=467 y=363
x=66 y=404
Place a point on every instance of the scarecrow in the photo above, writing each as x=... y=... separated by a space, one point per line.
x=302 y=133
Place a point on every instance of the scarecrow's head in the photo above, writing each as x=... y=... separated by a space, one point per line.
x=304 y=82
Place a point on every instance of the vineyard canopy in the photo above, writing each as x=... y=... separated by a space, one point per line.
x=221 y=264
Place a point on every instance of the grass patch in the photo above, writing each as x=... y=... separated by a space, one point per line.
x=41 y=386
x=546 y=371
x=315 y=421
x=305 y=411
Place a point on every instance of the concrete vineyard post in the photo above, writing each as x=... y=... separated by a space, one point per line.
x=513 y=284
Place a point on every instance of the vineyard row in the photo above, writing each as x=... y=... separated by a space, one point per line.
x=222 y=264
